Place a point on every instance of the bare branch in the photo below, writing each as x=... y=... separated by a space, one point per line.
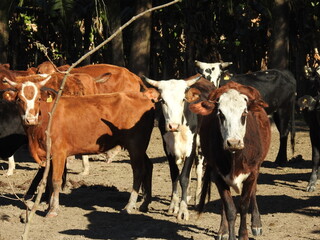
x=48 y=143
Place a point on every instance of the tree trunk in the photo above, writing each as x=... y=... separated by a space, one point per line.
x=117 y=42
x=279 y=49
x=4 y=33
x=140 y=48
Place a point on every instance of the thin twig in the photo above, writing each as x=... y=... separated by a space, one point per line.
x=48 y=143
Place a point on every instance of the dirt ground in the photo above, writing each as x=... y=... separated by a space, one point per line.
x=91 y=205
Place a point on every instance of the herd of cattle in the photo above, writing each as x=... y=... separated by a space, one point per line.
x=219 y=125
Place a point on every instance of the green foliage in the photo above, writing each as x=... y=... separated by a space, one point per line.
x=237 y=31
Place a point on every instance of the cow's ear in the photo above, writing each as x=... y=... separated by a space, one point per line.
x=48 y=94
x=202 y=108
x=256 y=105
x=6 y=65
x=9 y=95
x=152 y=94
x=192 y=95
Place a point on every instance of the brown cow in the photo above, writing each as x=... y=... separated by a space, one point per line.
x=90 y=79
x=119 y=78
x=235 y=138
x=88 y=125
x=6 y=72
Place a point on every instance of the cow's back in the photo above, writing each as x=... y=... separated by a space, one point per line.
x=121 y=79
x=92 y=124
x=277 y=87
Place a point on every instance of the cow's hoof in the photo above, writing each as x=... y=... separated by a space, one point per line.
x=173 y=209
x=52 y=214
x=222 y=237
x=23 y=217
x=84 y=173
x=127 y=210
x=311 y=188
x=143 y=208
x=183 y=215
x=256 y=231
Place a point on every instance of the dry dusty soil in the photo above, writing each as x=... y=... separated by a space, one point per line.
x=91 y=205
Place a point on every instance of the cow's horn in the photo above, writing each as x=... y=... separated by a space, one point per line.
x=193 y=81
x=43 y=82
x=151 y=82
x=225 y=64
x=12 y=83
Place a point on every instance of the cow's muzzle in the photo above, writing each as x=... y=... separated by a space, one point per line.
x=234 y=144
x=31 y=120
x=173 y=127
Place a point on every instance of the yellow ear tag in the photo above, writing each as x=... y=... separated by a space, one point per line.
x=49 y=99
x=226 y=77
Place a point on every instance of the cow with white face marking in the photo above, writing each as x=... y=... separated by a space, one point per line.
x=235 y=137
x=123 y=118
x=212 y=71
x=278 y=90
x=179 y=128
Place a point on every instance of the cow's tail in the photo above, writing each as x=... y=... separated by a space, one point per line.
x=206 y=189
x=293 y=131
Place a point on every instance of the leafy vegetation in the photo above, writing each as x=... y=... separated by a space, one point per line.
x=237 y=31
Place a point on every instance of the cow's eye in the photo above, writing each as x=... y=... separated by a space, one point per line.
x=244 y=117
x=221 y=116
x=162 y=101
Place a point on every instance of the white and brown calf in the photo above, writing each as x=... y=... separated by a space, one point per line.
x=235 y=138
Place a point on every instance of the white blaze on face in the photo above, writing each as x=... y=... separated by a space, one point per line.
x=212 y=71
x=29 y=95
x=173 y=94
x=232 y=112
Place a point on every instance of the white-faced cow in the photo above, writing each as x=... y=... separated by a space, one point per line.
x=235 y=138
x=212 y=71
x=179 y=128
x=88 y=125
x=278 y=89
x=310 y=107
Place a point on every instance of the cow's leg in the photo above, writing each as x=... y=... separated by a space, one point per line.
x=85 y=165
x=199 y=174
x=58 y=163
x=174 y=174
x=110 y=154
x=139 y=171
x=11 y=166
x=183 y=213
x=315 y=174
x=246 y=195
x=284 y=120
x=147 y=185
x=256 y=225
x=230 y=210
x=223 y=233
x=282 y=124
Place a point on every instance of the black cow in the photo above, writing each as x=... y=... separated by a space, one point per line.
x=310 y=108
x=12 y=134
x=278 y=89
